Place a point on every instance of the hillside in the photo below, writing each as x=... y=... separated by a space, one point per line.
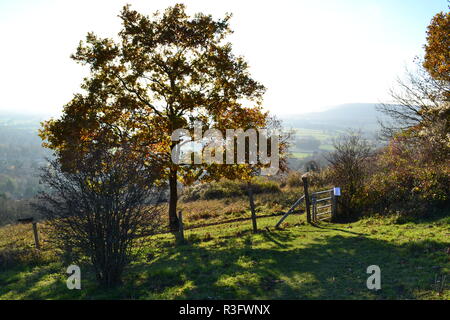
x=21 y=156
x=300 y=261
x=352 y=115
x=21 y=153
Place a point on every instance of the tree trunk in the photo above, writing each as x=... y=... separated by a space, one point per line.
x=252 y=207
x=173 y=199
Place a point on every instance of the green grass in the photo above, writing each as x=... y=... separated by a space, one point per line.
x=324 y=137
x=301 y=155
x=318 y=134
x=300 y=261
x=326 y=147
x=217 y=210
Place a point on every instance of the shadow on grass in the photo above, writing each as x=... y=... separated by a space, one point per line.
x=44 y=282
x=334 y=269
x=440 y=215
x=273 y=265
x=329 y=227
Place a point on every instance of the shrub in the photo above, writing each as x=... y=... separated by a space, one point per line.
x=321 y=179
x=263 y=185
x=294 y=179
x=349 y=169
x=100 y=207
x=404 y=181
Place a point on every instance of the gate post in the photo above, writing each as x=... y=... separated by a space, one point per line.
x=333 y=206
x=307 y=200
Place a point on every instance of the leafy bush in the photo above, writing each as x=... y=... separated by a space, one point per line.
x=321 y=179
x=294 y=179
x=349 y=169
x=404 y=181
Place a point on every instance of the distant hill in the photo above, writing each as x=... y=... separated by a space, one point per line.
x=21 y=119
x=352 y=115
x=21 y=154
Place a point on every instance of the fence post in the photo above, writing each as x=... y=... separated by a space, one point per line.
x=181 y=227
x=36 y=235
x=314 y=208
x=307 y=200
x=333 y=205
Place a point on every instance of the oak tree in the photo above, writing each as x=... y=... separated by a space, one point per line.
x=164 y=72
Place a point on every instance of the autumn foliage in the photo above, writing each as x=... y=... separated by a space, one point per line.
x=167 y=71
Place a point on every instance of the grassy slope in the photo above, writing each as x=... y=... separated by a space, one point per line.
x=298 y=262
x=322 y=136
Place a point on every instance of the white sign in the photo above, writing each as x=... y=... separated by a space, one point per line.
x=337 y=191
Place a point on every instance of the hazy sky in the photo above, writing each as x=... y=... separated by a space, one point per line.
x=310 y=54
